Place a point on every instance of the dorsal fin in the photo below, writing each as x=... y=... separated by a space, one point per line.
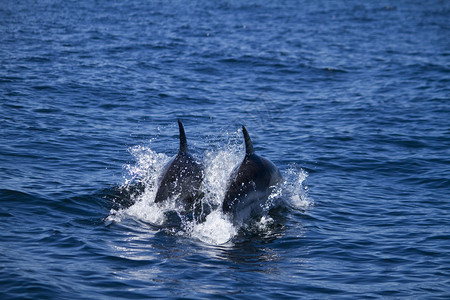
x=248 y=142
x=183 y=142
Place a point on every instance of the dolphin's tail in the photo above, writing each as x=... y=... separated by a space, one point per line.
x=183 y=142
x=248 y=142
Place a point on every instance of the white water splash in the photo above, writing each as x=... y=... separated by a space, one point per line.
x=214 y=228
x=149 y=165
x=218 y=167
x=294 y=190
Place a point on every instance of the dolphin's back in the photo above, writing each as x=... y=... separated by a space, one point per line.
x=250 y=184
x=182 y=176
x=182 y=179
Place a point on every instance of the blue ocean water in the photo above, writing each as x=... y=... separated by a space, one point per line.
x=349 y=99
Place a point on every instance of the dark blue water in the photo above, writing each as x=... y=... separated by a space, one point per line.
x=350 y=100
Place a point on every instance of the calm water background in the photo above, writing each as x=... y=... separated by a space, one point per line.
x=356 y=94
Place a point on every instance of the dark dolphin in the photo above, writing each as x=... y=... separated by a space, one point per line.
x=250 y=185
x=182 y=176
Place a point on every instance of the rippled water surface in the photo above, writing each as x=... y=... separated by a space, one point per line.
x=350 y=100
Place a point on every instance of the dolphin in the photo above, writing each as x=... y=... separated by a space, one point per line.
x=249 y=185
x=182 y=176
